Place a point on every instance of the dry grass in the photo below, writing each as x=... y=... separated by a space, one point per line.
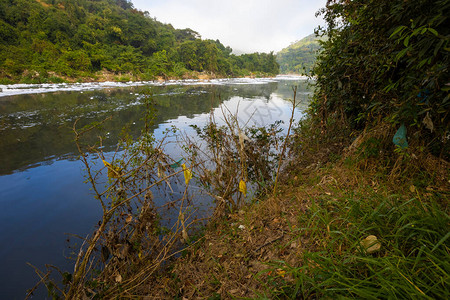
x=259 y=251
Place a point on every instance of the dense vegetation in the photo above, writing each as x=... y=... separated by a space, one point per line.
x=382 y=64
x=360 y=217
x=47 y=40
x=356 y=216
x=299 y=57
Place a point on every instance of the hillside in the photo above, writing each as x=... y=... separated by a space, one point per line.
x=300 y=56
x=56 y=40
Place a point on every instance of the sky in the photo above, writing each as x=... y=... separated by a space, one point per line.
x=245 y=25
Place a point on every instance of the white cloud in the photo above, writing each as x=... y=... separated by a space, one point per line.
x=245 y=25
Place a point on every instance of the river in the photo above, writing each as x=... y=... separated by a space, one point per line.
x=43 y=197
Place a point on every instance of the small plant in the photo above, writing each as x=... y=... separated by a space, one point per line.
x=236 y=159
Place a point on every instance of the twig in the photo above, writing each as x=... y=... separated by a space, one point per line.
x=291 y=120
x=269 y=242
x=41 y=281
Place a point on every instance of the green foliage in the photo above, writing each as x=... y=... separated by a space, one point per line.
x=387 y=60
x=300 y=56
x=79 y=38
x=413 y=261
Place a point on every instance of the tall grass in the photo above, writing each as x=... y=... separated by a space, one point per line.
x=413 y=262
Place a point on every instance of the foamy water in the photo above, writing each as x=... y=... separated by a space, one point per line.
x=21 y=89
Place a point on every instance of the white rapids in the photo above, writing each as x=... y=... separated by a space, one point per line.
x=21 y=89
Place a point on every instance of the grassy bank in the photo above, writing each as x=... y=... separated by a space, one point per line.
x=308 y=241
x=354 y=216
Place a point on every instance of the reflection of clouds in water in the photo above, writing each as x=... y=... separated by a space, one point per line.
x=38 y=168
x=40 y=125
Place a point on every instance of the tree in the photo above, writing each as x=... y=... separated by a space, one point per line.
x=388 y=60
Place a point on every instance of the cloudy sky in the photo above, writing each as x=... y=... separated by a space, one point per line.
x=244 y=25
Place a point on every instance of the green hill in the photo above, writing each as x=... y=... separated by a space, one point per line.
x=52 y=40
x=300 y=56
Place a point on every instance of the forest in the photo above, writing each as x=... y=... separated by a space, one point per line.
x=381 y=66
x=84 y=40
x=300 y=56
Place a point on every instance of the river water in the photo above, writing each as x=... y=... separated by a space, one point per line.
x=43 y=197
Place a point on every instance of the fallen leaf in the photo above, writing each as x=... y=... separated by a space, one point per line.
x=281 y=272
x=129 y=219
x=371 y=244
x=428 y=123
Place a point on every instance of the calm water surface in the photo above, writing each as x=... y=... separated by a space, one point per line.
x=43 y=197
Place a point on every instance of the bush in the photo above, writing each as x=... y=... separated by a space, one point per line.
x=387 y=60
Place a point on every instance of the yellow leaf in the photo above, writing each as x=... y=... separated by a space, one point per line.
x=113 y=172
x=187 y=174
x=281 y=272
x=371 y=244
x=243 y=187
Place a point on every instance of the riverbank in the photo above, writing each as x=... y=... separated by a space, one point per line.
x=352 y=218
x=108 y=76
x=36 y=88
x=342 y=225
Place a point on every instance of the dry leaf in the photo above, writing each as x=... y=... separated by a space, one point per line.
x=281 y=272
x=371 y=244
x=185 y=235
x=118 y=278
x=428 y=123
x=129 y=219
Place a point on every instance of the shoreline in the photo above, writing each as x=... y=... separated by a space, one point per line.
x=37 y=88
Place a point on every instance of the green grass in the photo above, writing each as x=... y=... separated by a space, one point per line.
x=413 y=262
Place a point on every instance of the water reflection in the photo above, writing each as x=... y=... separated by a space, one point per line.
x=38 y=127
x=42 y=194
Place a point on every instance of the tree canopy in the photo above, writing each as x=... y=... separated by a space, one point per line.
x=387 y=61
x=44 y=40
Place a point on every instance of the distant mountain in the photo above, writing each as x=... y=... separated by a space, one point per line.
x=300 y=56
